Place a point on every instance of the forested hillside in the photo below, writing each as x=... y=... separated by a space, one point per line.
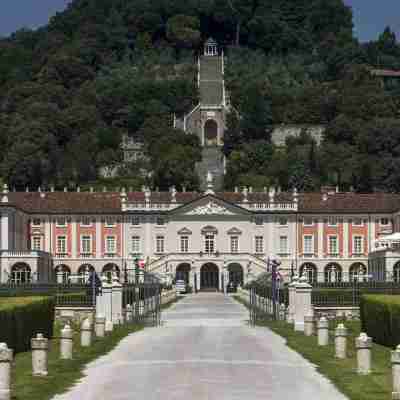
x=104 y=68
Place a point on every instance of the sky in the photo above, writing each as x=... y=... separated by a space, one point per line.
x=370 y=16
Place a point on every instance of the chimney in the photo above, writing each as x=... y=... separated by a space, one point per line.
x=78 y=189
x=251 y=189
x=324 y=196
x=104 y=189
x=271 y=195
x=295 y=195
x=337 y=189
x=236 y=189
x=91 y=190
x=184 y=189
x=27 y=189
x=265 y=189
x=173 y=194
x=65 y=189
x=245 y=192
x=52 y=188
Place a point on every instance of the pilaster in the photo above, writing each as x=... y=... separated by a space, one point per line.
x=4 y=231
x=98 y=238
x=74 y=239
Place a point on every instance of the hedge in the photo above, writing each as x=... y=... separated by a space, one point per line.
x=380 y=318
x=21 y=319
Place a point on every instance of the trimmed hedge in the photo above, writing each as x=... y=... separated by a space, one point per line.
x=380 y=318
x=21 y=320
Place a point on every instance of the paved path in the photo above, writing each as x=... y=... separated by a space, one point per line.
x=204 y=351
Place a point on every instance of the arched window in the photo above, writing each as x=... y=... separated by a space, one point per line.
x=63 y=273
x=333 y=273
x=358 y=273
x=309 y=270
x=20 y=274
x=110 y=270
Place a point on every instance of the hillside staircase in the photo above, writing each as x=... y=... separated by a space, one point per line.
x=212 y=161
x=211 y=81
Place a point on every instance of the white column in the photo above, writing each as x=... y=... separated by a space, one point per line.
x=320 y=237
x=346 y=238
x=147 y=238
x=270 y=245
x=6 y=358
x=98 y=238
x=4 y=231
x=74 y=239
x=47 y=235
x=116 y=301
x=302 y=304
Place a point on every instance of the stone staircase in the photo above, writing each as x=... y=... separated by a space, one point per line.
x=212 y=161
x=211 y=80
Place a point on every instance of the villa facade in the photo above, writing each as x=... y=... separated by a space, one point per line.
x=206 y=238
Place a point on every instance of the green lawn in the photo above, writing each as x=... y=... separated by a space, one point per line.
x=343 y=373
x=62 y=373
x=10 y=302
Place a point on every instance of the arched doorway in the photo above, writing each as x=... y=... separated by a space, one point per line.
x=109 y=270
x=309 y=270
x=182 y=272
x=209 y=277
x=84 y=272
x=333 y=273
x=21 y=273
x=210 y=133
x=358 y=273
x=235 y=274
x=62 y=273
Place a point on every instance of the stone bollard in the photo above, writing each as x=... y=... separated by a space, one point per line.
x=395 y=359
x=86 y=333
x=6 y=358
x=66 y=343
x=109 y=327
x=341 y=341
x=309 y=325
x=100 y=326
x=323 y=331
x=40 y=348
x=363 y=346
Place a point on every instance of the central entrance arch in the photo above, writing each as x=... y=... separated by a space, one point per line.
x=211 y=133
x=209 y=277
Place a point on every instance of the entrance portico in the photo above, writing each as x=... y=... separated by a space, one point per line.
x=209 y=277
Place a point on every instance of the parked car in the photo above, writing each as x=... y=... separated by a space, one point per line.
x=180 y=286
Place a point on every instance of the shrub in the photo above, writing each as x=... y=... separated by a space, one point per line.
x=380 y=318
x=21 y=319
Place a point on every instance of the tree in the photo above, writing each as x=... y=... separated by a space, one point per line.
x=183 y=31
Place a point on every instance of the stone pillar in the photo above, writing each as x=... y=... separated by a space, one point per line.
x=129 y=313
x=309 y=325
x=109 y=327
x=363 y=346
x=66 y=343
x=100 y=325
x=86 y=333
x=103 y=299
x=395 y=359
x=323 y=331
x=40 y=347
x=292 y=294
x=302 y=303
x=116 y=301
x=6 y=358
x=341 y=341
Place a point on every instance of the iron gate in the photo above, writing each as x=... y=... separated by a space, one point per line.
x=144 y=297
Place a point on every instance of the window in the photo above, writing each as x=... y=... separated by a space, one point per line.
x=332 y=221
x=308 y=245
x=86 y=244
x=184 y=244
x=36 y=222
x=61 y=222
x=333 y=245
x=85 y=221
x=209 y=244
x=259 y=221
x=36 y=243
x=160 y=244
x=234 y=244
x=283 y=221
x=259 y=244
x=110 y=222
x=135 y=220
x=385 y=221
x=160 y=221
x=135 y=245
x=308 y=222
x=283 y=244
x=111 y=247
x=358 y=247
x=61 y=245
x=357 y=222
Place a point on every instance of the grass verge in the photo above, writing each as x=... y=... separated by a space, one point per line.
x=343 y=373
x=62 y=373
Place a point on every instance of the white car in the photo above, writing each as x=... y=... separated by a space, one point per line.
x=180 y=286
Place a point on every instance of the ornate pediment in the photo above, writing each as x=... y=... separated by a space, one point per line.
x=234 y=231
x=184 y=231
x=210 y=208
